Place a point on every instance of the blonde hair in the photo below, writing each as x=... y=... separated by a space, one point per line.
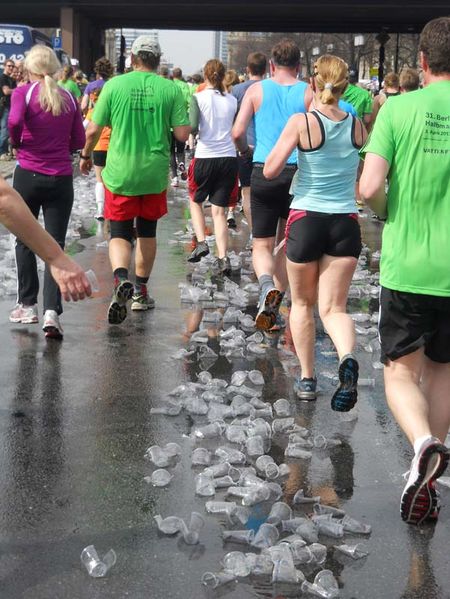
x=42 y=62
x=331 y=75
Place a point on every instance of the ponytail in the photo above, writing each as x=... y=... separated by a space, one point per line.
x=50 y=97
x=214 y=71
x=331 y=76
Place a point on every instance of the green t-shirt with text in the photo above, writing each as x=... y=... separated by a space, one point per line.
x=141 y=108
x=359 y=98
x=412 y=132
x=71 y=87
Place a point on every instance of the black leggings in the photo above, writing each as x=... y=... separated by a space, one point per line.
x=177 y=154
x=124 y=229
x=54 y=194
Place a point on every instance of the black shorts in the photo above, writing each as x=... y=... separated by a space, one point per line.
x=245 y=166
x=213 y=178
x=99 y=157
x=409 y=321
x=310 y=235
x=269 y=200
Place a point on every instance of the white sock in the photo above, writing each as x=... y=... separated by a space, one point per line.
x=420 y=441
x=99 y=194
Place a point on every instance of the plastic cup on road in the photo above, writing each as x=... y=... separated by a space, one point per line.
x=93 y=281
x=96 y=567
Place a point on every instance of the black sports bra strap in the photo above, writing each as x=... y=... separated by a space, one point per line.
x=308 y=131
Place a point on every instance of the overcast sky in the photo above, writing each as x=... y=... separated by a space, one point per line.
x=187 y=49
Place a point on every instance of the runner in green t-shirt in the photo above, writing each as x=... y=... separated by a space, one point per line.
x=68 y=83
x=141 y=108
x=410 y=143
x=359 y=98
x=177 y=148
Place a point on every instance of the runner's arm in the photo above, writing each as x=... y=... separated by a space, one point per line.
x=16 y=118
x=84 y=103
x=182 y=132
x=288 y=140
x=15 y=216
x=93 y=133
x=78 y=134
x=194 y=115
x=372 y=183
x=244 y=116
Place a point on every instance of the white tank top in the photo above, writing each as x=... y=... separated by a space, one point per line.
x=217 y=114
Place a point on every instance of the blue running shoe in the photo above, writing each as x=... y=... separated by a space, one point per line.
x=305 y=388
x=346 y=395
x=269 y=302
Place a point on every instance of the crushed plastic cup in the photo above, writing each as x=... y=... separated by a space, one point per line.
x=220 y=507
x=319 y=552
x=167 y=409
x=280 y=511
x=191 y=533
x=293 y=450
x=196 y=406
x=292 y=524
x=236 y=563
x=209 y=431
x=201 y=457
x=283 y=470
x=282 y=408
x=326 y=580
x=204 y=485
x=96 y=567
x=257 y=337
x=163 y=456
x=218 y=579
x=354 y=526
x=168 y=526
x=267 y=466
x=282 y=425
x=321 y=442
x=308 y=531
x=357 y=551
x=300 y=498
x=236 y=434
x=217 y=470
x=266 y=536
x=250 y=495
x=261 y=565
x=223 y=482
x=93 y=281
x=300 y=440
x=238 y=378
x=329 y=526
x=159 y=478
x=259 y=428
x=204 y=376
x=255 y=348
x=256 y=377
x=244 y=537
x=230 y=455
x=283 y=566
x=255 y=446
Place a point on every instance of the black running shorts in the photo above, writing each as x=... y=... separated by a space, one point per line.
x=99 y=157
x=310 y=235
x=214 y=178
x=245 y=165
x=409 y=321
x=269 y=200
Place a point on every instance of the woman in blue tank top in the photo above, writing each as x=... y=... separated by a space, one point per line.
x=323 y=239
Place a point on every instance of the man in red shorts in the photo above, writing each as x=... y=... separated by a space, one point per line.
x=141 y=108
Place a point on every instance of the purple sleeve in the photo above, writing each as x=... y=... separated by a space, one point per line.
x=78 y=135
x=17 y=115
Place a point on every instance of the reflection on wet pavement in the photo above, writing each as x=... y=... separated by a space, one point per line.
x=77 y=419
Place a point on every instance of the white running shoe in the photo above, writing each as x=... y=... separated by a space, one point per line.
x=174 y=182
x=24 y=314
x=52 y=327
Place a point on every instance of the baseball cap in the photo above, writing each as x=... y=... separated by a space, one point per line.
x=145 y=43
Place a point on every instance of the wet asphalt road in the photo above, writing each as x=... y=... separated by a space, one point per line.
x=75 y=423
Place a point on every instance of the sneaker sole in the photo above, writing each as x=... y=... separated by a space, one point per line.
x=308 y=395
x=117 y=311
x=52 y=333
x=265 y=319
x=198 y=257
x=24 y=320
x=137 y=307
x=416 y=503
x=346 y=395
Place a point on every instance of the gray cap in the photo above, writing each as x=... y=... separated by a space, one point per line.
x=145 y=43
